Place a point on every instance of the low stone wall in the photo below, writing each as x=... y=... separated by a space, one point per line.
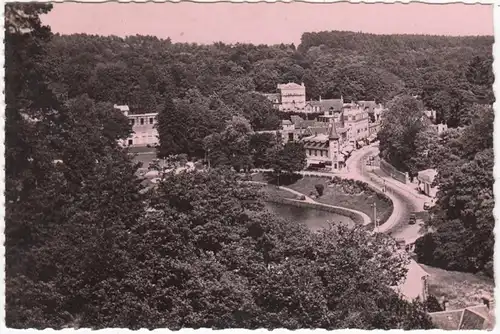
x=356 y=218
x=393 y=172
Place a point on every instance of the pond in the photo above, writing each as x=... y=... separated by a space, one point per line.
x=314 y=219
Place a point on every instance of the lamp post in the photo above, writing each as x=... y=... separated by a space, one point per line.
x=374 y=205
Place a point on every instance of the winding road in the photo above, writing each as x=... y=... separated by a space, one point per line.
x=405 y=199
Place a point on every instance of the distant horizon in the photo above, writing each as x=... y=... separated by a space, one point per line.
x=267 y=23
x=233 y=43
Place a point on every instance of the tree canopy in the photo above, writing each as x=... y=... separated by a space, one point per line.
x=221 y=80
x=463 y=216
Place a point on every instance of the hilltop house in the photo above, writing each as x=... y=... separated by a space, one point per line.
x=291 y=97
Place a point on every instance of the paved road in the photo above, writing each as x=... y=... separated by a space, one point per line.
x=404 y=200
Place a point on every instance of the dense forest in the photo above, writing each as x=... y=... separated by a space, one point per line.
x=87 y=247
x=447 y=73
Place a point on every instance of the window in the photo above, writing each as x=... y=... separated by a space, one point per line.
x=130 y=142
x=290 y=137
x=321 y=153
x=151 y=120
x=132 y=122
x=142 y=121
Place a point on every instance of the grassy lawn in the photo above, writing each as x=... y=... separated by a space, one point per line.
x=460 y=289
x=145 y=159
x=334 y=195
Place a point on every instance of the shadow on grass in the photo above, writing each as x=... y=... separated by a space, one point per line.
x=282 y=179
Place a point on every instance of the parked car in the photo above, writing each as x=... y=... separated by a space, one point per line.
x=413 y=219
x=427 y=206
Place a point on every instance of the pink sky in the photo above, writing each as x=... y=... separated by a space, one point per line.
x=266 y=23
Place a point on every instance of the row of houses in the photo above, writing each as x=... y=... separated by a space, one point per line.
x=292 y=98
x=331 y=137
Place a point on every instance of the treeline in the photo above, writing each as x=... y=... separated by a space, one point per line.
x=142 y=71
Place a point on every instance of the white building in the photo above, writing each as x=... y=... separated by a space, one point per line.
x=426 y=179
x=357 y=120
x=293 y=97
x=143 y=127
x=415 y=284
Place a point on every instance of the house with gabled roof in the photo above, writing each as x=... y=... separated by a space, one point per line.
x=323 y=147
x=478 y=317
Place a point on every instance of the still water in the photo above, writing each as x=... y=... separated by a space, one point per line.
x=314 y=219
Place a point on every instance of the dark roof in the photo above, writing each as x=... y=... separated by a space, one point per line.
x=475 y=317
x=472 y=320
x=315 y=144
x=305 y=124
x=324 y=129
x=296 y=119
x=335 y=104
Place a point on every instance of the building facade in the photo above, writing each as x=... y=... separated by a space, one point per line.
x=325 y=148
x=143 y=127
x=293 y=97
x=357 y=120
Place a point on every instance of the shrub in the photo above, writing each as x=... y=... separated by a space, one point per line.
x=320 y=189
x=432 y=304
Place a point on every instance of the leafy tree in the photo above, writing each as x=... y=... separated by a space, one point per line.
x=71 y=191
x=401 y=124
x=319 y=189
x=183 y=128
x=463 y=218
x=432 y=304
x=261 y=144
x=232 y=264
x=231 y=147
x=289 y=158
x=426 y=146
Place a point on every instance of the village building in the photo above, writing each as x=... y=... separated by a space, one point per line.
x=357 y=119
x=143 y=127
x=324 y=148
x=292 y=97
x=478 y=317
x=425 y=182
x=415 y=283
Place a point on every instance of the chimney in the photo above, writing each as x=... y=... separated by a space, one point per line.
x=320 y=98
x=445 y=305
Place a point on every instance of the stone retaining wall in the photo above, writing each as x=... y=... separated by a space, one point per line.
x=393 y=172
x=356 y=218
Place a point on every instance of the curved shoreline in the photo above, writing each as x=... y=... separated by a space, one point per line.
x=359 y=218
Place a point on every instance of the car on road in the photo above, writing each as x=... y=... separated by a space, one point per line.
x=413 y=219
x=427 y=206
